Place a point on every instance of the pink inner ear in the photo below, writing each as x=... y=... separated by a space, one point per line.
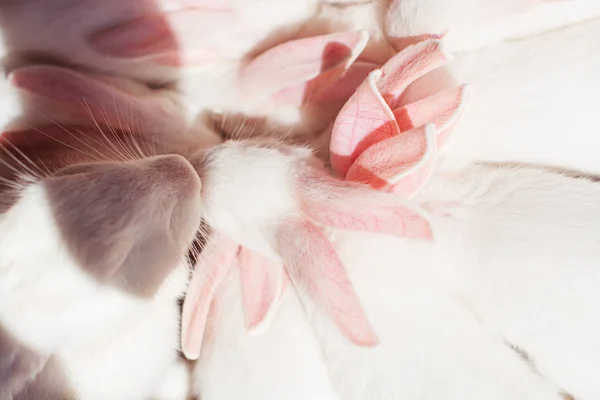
x=120 y=103
x=409 y=65
x=212 y=267
x=172 y=38
x=314 y=265
x=390 y=163
x=348 y=83
x=262 y=285
x=307 y=64
x=353 y=206
x=365 y=120
x=441 y=109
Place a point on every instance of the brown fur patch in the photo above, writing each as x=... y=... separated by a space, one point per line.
x=127 y=223
x=100 y=178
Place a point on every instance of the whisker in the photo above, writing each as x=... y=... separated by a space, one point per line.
x=91 y=114
x=39 y=172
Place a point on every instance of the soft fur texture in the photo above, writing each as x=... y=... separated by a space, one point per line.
x=447 y=313
x=92 y=264
x=125 y=348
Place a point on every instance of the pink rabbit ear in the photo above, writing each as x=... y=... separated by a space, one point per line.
x=314 y=266
x=174 y=38
x=215 y=262
x=442 y=109
x=93 y=99
x=364 y=120
x=400 y=164
x=353 y=206
x=348 y=83
x=262 y=282
x=409 y=65
x=293 y=71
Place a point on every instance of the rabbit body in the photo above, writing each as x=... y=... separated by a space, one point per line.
x=513 y=264
x=100 y=327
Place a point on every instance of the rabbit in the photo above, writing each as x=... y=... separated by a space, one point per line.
x=480 y=216
x=433 y=305
x=77 y=301
x=202 y=55
x=544 y=86
x=97 y=35
x=475 y=24
x=530 y=94
x=79 y=317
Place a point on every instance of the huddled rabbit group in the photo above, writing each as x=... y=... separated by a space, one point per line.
x=300 y=199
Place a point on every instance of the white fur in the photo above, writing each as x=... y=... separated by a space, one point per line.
x=514 y=262
x=533 y=101
x=110 y=344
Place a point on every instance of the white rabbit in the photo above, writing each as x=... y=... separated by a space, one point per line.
x=94 y=231
x=445 y=312
x=481 y=216
x=533 y=101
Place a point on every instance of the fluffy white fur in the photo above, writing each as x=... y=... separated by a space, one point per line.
x=533 y=101
x=514 y=263
x=109 y=344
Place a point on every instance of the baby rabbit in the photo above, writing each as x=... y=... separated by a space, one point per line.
x=96 y=221
x=534 y=101
x=440 y=333
x=446 y=312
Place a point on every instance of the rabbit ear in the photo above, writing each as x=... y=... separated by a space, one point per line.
x=293 y=71
x=174 y=38
x=18 y=365
x=214 y=263
x=314 y=266
x=353 y=206
x=367 y=118
x=89 y=99
x=364 y=120
x=348 y=83
x=263 y=281
x=400 y=164
x=409 y=65
x=442 y=110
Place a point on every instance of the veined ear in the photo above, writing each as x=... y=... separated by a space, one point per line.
x=364 y=120
x=292 y=72
x=314 y=266
x=354 y=206
x=215 y=262
x=348 y=83
x=182 y=36
x=400 y=164
x=403 y=163
x=408 y=66
x=93 y=99
x=442 y=109
x=263 y=282
x=368 y=117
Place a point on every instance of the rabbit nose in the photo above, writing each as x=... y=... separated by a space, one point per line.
x=175 y=172
x=127 y=224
